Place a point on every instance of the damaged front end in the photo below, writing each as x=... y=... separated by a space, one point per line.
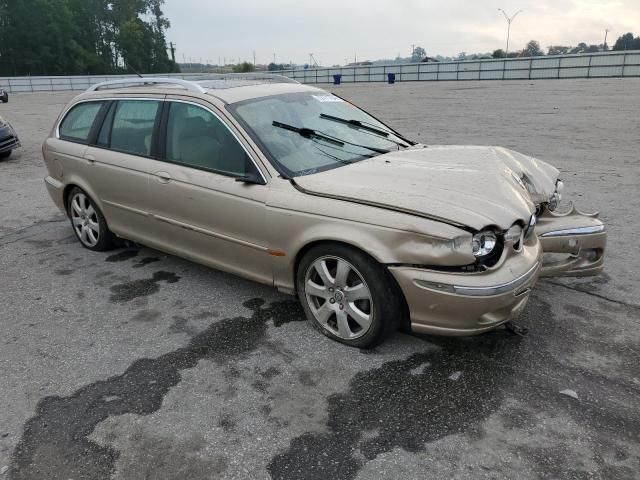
x=573 y=243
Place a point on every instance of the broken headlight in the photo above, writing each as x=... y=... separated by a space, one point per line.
x=483 y=243
x=556 y=198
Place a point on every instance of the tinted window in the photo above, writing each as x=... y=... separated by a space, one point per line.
x=104 y=137
x=197 y=138
x=76 y=126
x=132 y=129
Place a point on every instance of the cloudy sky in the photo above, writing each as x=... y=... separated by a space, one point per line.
x=336 y=30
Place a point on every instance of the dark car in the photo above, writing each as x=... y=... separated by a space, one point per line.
x=9 y=140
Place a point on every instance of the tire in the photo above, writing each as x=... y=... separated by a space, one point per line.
x=5 y=97
x=353 y=300
x=4 y=155
x=88 y=222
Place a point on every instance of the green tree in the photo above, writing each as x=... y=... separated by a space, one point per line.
x=532 y=49
x=627 y=42
x=57 y=37
x=244 y=67
x=418 y=54
x=499 y=53
x=558 y=50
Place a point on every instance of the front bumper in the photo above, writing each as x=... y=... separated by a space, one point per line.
x=444 y=303
x=8 y=139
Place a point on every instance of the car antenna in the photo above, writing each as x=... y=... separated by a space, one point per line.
x=134 y=70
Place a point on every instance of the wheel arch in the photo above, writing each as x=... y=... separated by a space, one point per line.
x=404 y=321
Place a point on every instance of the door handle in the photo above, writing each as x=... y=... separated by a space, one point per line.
x=163 y=177
x=90 y=158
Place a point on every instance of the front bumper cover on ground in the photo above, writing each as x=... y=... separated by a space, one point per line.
x=573 y=243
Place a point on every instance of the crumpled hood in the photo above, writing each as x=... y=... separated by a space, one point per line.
x=470 y=186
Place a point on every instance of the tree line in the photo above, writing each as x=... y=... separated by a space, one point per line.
x=625 y=42
x=628 y=41
x=67 y=37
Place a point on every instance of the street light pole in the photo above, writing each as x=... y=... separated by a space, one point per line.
x=509 y=19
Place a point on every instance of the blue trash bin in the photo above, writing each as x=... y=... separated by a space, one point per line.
x=336 y=79
x=392 y=78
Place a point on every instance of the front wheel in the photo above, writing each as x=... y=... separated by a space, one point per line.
x=347 y=295
x=88 y=223
x=6 y=154
x=4 y=97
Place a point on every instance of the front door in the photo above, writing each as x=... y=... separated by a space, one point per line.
x=200 y=209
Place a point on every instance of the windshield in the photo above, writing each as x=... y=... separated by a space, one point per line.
x=300 y=133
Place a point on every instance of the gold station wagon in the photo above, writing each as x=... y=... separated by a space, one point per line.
x=292 y=186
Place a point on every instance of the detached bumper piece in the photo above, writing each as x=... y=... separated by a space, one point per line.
x=8 y=139
x=573 y=243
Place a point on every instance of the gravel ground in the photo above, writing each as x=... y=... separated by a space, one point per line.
x=134 y=364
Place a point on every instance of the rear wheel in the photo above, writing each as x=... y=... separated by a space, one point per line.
x=6 y=154
x=88 y=223
x=4 y=97
x=347 y=295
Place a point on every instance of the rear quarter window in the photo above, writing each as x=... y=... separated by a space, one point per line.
x=76 y=125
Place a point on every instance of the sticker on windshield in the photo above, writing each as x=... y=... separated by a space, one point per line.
x=327 y=98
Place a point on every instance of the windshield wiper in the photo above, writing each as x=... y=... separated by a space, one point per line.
x=311 y=134
x=367 y=127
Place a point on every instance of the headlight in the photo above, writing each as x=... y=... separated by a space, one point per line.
x=483 y=243
x=513 y=234
x=556 y=198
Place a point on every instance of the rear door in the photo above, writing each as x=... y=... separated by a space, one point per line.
x=202 y=210
x=120 y=159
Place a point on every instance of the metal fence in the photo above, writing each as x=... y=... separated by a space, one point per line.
x=592 y=65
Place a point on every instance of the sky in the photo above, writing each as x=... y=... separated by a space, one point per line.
x=336 y=31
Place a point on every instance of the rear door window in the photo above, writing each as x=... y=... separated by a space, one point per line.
x=77 y=124
x=130 y=128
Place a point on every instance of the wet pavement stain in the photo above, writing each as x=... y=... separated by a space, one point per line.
x=122 y=256
x=63 y=272
x=146 y=261
x=409 y=403
x=42 y=244
x=146 y=316
x=125 y=292
x=181 y=325
x=404 y=409
x=55 y=443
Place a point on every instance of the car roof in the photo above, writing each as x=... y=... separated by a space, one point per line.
x=228 y=88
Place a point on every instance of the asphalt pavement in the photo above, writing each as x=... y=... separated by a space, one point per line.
x=134 y=364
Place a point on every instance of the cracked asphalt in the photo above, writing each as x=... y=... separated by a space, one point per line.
x=134 y=364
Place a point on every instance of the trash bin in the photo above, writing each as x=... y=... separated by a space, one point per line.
x=392 y=78
x=336 y=79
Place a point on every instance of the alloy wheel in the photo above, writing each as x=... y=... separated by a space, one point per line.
x=85 y=220
x=338 y=297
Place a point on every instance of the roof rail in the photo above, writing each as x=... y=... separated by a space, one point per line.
x=190 y=86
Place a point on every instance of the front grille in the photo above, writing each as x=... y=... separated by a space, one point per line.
x=9 y=142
